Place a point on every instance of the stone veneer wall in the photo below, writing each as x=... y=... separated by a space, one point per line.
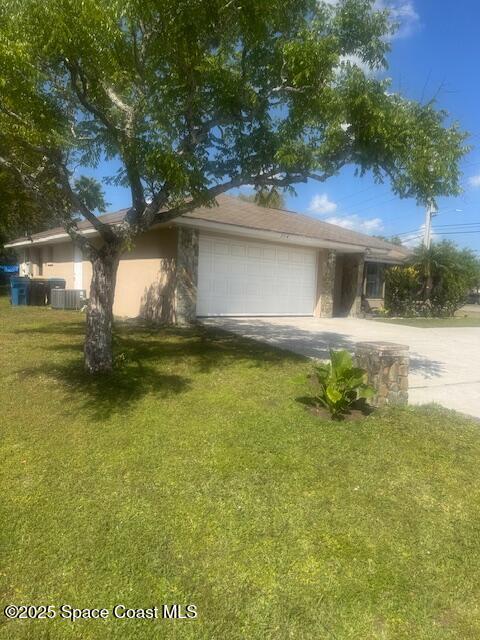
x=352 y=284
x=387 y=366
x=326 y=283
x=186 y=276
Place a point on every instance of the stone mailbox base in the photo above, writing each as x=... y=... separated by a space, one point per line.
x=387 y=365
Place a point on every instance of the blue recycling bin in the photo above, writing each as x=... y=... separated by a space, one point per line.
x=19 y=290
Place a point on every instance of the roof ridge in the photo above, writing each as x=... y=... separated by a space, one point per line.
x=255 y=216
x=307 y=218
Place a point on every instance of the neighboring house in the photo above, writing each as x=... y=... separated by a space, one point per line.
x=236 y=258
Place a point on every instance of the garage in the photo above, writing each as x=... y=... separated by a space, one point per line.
x=238 y=277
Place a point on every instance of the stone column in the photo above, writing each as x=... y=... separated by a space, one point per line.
x=387 y=366
x=352 y=284
x=325 y=283
x=186 y=276
x=357 y=305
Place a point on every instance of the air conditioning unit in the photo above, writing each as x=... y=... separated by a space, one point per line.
x=68 y=298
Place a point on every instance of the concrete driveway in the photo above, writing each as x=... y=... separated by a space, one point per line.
x=444 y=363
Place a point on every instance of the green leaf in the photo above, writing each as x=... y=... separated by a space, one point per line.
x=341 y=362
x=333 y=394
x=366 y=391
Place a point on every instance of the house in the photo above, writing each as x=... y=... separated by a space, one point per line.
x=236 y=258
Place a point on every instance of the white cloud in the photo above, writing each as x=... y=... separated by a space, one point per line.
x=474 y=181
x=355 y=223
x=415 y=238
x=321 y=204
x=357 y=62
x=403 y=13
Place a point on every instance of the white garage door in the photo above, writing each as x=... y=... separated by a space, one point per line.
x=241 y=277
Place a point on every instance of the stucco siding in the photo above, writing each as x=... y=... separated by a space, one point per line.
x=61 y=264
x=146 y=277
x=87 y=275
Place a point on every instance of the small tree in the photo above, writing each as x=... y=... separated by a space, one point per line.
x=436 y=282
x=392 y=239
x=447 y=274
x=265 y=198
x=194 y=98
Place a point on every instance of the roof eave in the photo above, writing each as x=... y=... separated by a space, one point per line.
x=276 y=236
x=56 y=237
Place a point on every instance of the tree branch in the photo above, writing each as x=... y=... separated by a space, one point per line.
x=124 y=137
x=104 y=230
x=79 y=85
x=30 y=187
x=77 y=238
x=269 y=179
x=14 y=116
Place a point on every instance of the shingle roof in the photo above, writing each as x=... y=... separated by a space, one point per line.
x=239 y=213
x=107 y=218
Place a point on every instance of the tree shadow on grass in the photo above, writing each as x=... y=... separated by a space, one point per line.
x=103 y=395
x=52 y=329
x=145 y=358
x=205 y=347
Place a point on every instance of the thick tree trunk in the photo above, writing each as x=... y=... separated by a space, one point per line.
x=98 y=339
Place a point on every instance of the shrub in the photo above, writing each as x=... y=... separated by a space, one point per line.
x=402 y=287
x=436 y=282
x=341 y=383
x=447 y=273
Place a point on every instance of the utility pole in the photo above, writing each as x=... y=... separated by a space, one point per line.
x=427 y=236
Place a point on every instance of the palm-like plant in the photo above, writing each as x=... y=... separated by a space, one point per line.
x=341 y=383
x=446 y=274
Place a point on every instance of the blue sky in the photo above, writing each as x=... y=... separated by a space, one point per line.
x=436 y=53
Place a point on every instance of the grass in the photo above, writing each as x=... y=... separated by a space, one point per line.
x=464 y=320
x=193 y=475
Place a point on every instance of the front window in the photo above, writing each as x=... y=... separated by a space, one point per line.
x=374 y=276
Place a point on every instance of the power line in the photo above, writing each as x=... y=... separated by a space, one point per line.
x=400 y=217
x=378 y=204
x=406 y=233
x=438 y=226
x=456 y=233
x=350 y=195
x=463 y=224
x=362 y=202
x=420 y=235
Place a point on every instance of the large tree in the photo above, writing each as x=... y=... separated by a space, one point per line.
x=265 y=197
x=27 y=210
x=196 y=97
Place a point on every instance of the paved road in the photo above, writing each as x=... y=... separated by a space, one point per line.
x=471 y=308
x=444 y=363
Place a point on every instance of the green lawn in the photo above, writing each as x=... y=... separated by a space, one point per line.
x=193 y=475
x=472 y=320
